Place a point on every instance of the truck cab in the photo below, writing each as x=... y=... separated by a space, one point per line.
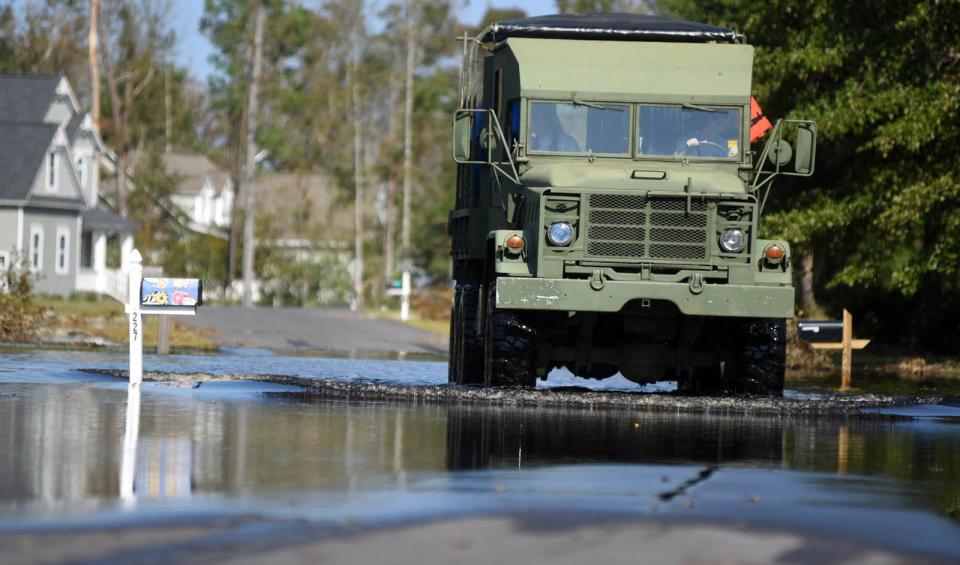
x=608 y=205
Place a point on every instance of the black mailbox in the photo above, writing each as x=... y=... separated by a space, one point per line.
x=821 y=331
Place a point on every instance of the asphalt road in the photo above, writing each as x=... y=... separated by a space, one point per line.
x=322 y=329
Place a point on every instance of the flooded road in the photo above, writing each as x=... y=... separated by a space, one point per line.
x=268 y=468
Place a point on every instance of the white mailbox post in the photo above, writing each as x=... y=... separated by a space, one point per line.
x=162 y=296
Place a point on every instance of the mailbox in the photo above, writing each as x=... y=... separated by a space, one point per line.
x=169 y=292
x=821 y=331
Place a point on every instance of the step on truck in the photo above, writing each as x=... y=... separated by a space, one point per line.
x=608 y=203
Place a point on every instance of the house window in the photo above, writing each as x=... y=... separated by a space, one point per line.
x=63 y=251
x=82 y=171
x=36 y=248
x=52 y=171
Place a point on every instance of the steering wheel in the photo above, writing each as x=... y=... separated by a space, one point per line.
x=701 y=142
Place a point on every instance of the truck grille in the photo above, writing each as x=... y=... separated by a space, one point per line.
x=631 y=226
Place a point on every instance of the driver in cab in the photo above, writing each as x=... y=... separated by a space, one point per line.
x=547 y=133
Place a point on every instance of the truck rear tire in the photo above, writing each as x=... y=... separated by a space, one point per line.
x=760 y=367
x=510 y=352
x=700 y=381
x=466 y=353
x=453 y=350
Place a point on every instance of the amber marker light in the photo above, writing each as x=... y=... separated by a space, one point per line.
x=514 y=244
x=774 y=253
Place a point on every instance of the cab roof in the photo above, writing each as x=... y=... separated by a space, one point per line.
x=609 y=27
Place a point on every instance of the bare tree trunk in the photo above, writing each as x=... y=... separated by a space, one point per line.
x=252 y=115
x=408 y=129
x=119 y=134
x=94 y=63
x=167 y=112
x=237 y=136
x=808 y=299
x=357 y=173
x=390 y=227
x=390 y=231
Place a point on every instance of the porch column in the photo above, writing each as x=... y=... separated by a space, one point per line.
x=126 y=247
x=100 y=259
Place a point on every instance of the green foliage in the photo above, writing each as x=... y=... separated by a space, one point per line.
x=19 y=314
x=200 y=256
x=160 y=223
x=321 y=280
x=882 y=81
x=162 y=234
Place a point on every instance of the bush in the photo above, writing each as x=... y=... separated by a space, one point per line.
x=19 y=315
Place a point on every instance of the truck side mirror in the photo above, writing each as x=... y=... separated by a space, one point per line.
x=461 y=136
x=806 y=148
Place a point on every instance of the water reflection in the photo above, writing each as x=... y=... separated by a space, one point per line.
x=483 y=438
x=62 y=447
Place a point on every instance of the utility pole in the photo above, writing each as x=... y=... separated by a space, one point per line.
x=92 y=40
x=248 y=198
x=357 y=170
x=408 y=147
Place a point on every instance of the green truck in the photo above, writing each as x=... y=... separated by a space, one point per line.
x=608 y=203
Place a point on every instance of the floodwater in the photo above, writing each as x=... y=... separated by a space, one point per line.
x=69 y=458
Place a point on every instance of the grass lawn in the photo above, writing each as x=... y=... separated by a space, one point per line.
x=104 y=318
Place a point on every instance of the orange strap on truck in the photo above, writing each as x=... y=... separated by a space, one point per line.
x=759 y=124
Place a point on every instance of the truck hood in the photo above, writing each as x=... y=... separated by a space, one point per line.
x=642 y=177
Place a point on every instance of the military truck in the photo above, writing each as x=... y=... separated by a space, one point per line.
x=608 y=207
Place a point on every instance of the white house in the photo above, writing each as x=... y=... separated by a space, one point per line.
x=50 y=210
x=204 y=191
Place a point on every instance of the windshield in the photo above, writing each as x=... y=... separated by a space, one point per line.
x=674 y=131
x=569 y=127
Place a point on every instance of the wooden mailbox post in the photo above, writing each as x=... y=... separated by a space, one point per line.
x=160 y=295
x=822 y=336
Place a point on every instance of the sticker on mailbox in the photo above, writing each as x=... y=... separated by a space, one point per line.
x=171 y=292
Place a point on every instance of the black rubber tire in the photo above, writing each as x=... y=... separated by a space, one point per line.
x=454 y=349
x=702 y=381
x=471 y=343
x=510 y=352
x=760 y=367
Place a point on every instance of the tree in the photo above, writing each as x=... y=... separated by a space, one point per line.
x=250 y=169
x=93 y=61
x=883 y=211
x=228 y=25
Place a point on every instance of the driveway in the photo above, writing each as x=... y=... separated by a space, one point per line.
x=322 y=329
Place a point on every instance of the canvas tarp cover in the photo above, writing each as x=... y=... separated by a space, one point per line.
x=623 y=27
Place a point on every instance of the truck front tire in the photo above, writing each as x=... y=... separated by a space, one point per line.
x=760 y=360
x=466 y=347
x=510 y=352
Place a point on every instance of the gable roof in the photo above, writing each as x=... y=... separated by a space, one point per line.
x=23 y=146
x=191 y=169
x=101 y=218
x=27 y=97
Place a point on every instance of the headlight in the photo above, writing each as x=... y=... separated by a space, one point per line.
x=560 y=233
x=733 y=240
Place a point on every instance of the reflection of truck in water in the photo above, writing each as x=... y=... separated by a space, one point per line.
x=490 y=437
x=608 y=203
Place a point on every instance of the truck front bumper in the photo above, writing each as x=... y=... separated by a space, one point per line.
x=576 y=295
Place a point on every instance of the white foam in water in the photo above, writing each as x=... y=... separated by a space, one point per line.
x=564 y=378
